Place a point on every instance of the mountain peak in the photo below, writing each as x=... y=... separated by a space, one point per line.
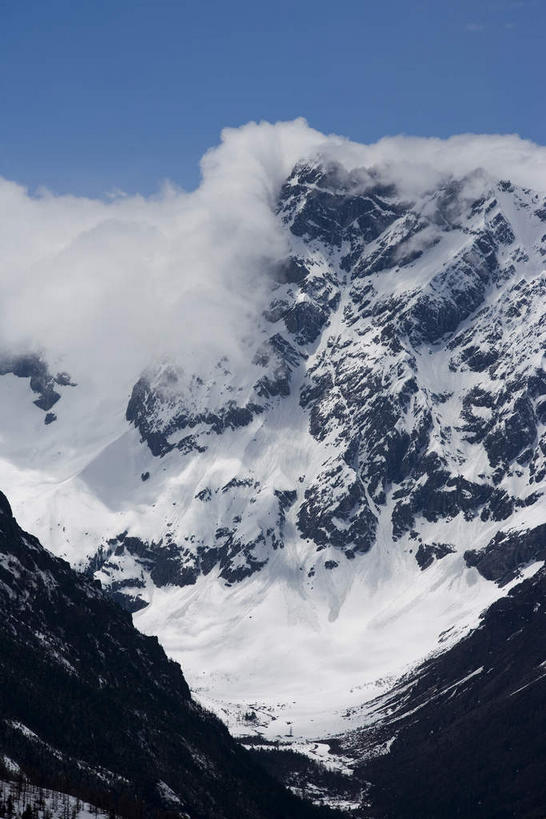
x=367 y=460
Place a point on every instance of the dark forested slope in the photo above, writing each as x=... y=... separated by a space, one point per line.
x=90 y=704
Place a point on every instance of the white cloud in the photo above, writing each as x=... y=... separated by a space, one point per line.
x=109 y=285
x=118 y=282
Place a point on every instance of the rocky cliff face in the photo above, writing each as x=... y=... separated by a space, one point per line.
x=406 y=339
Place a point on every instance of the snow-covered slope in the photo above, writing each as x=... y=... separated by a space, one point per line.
x=302 y=519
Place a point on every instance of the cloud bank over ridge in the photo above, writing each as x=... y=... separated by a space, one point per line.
x=103 y=287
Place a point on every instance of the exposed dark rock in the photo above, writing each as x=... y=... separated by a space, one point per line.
x=453 y=294
x=204 y=495
x=276 y=309
x=129 y=602
x=164 y=561
x=42 y=382
x=280 y=358
x=335 y=512
x=233 y=550
x=236 y=482
x=293 y=270
x=326 y=203
x=428 y=552
x=144 y=411
x=305 y=320
x=190 y=443
x=287 y=497
x=514 y=431
x=507 y=552
x=438 y=495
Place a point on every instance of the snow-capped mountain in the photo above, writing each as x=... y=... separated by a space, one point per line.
x=304 y=516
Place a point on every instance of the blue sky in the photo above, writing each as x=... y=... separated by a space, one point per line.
x=98 y=95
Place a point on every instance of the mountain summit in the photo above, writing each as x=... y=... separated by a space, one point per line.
x=342 y=464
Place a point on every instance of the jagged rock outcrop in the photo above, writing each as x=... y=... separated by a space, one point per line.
x=42 y=382
x=411 y=335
